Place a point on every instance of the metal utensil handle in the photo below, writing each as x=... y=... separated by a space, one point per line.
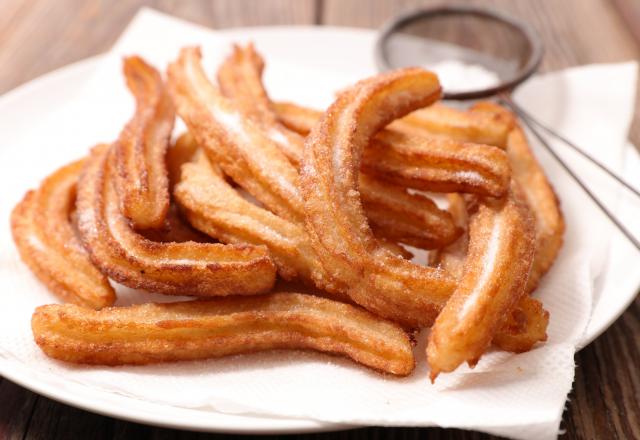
x=531 y=123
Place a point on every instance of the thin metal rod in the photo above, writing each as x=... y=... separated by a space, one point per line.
x=527 y=120
x=525 y=115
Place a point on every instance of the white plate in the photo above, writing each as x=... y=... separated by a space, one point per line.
x=34 y=100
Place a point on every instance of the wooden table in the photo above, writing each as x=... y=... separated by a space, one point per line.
x=41 y=35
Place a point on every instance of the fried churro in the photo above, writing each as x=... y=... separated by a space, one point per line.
x=499 y=258
x=141 y=174
x=153 y=333
x=48 y=244
x=379 y=281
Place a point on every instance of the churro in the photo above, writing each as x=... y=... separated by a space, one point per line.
x=48 y=244
x=153 y=333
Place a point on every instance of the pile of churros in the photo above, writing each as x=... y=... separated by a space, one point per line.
x=258 y=191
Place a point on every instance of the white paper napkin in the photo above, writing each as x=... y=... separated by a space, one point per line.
x=519 y=396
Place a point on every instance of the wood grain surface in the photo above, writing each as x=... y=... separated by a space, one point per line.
x=38 y=36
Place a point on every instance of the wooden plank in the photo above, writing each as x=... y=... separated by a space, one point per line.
x=16 y=408
x=52 y=420
x=42 y=35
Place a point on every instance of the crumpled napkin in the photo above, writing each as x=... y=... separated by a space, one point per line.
x=520 y=396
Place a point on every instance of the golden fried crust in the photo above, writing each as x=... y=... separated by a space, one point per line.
x=524 y=327
x=439 y=165
x=411 y=158
x=377 y=280
x=527 y=323
x=451 y=258
x=297 y=117
x=240 y=80
x=538 y=193
x=175 y=228
x=141 y=174
x=501 y=249
x=153 y=333
x=397 y=215
x=198 y=269
x=181 y=152
x=48 y=244
x=441 y=121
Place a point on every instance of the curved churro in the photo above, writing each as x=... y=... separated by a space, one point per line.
x=411 y=158
x=153 y=333
x=379 y=281
x=198 y=269
x=247 y=154
x=141 y=174
x=440 y=165
x=47 y=241
x=537 y=190
x=526 y=324
x=501 y=248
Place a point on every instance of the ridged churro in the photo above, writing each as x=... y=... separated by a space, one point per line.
x=501 y=249
x=153 y=333
x=140 y=170
x=525 y=325
x=256 y=189
x=48 y=244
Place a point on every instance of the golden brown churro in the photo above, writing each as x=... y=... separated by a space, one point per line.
x=141 y=174
x=379 y=281
x=501 y=248
x=153 y=333
x=240 y=148
x=48 y=244
x=526 y=324
x=198 y=269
